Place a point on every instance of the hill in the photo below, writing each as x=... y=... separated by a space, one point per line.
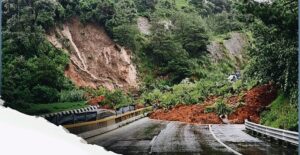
x=159 y=52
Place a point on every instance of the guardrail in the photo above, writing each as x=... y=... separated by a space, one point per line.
x=89 y=113
x=93 y=128
x=74 y=111
x=280 y=134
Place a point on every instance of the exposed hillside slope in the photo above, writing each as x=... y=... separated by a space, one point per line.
x=144 y=25
x=232 y=48
x=95 y=59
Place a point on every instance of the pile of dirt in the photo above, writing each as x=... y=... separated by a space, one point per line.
x=256 y=101
x=95 y=60
x=189 y=113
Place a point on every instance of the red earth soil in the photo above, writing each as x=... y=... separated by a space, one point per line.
x=255 y=100
x=189 y=113
x=96 y=100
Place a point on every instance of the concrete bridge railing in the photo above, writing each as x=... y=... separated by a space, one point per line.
x=279 y=134
x=93 y=128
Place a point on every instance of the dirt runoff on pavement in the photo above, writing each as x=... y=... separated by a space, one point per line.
x=255 y=100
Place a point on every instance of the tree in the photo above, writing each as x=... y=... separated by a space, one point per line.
x=99 y=11
x=210 y=7
x=145 y=5
x=33 y=70
x=169 y=55
x=24 y=14
x=280 y=13
x=127 y=35
x=274 y=53
x=191 y=32
x=125 y=13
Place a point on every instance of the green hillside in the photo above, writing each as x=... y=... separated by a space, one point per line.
x=192 y=48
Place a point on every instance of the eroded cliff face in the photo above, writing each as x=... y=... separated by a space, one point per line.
x=144 y=25
x=95 y=60
x=232 y=49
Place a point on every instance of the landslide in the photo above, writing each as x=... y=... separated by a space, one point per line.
x=256 y=100
x=95 y=60
x=188 y=113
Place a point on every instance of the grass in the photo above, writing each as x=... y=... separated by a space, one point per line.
x=282 y=114
x=38 y=109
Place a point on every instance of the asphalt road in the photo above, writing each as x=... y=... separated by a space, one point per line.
x=148 y=136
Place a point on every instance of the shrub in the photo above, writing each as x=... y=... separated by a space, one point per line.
x=44 y=94
x=222 y=109
x=127 y=35
x=225 y=89
x=249 y=84
x=71 y=95
x=186 y=93
x=117 y=99
x=168 y=100
x=237 y=86
x=152 y=97
x=282 y=114
x=209 y=109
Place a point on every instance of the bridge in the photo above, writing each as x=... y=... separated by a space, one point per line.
x=132 y=133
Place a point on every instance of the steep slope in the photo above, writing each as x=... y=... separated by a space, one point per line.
x=232 y=48
x=95 y=59
x=144 y=25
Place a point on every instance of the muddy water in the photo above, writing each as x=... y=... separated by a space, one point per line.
x=148 y=136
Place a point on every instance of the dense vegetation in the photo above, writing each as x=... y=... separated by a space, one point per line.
x=282 y=114
x=32 y=68
x=274 y=28
x=172 y=60
x=274 y=56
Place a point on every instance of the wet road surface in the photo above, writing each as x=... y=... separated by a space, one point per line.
x=236 y=138
x=148 y=136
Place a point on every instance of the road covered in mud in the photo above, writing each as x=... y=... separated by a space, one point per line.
x=148 y=136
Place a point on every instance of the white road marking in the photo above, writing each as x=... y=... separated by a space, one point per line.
x=229 y=148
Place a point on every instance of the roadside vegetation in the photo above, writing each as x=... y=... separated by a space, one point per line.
x=175 y=67
x=37 y=109
x=281 y=114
